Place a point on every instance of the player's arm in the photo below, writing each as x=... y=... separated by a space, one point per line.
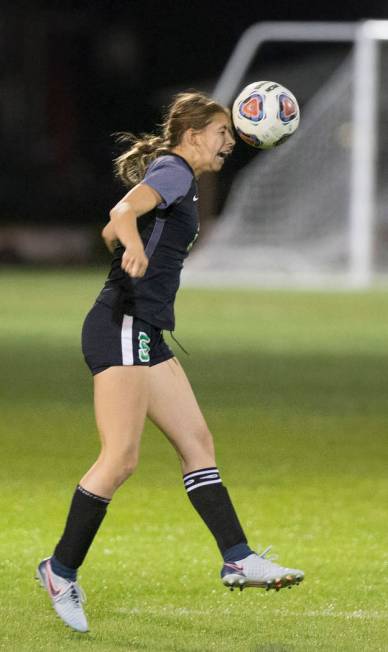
x=138 y=201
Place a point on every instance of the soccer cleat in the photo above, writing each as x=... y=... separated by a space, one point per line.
x=67 y=596
x=256 y=570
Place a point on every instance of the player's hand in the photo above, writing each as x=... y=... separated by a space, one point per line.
x=134 y=260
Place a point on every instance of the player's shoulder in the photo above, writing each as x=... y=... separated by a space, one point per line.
x=173 y=162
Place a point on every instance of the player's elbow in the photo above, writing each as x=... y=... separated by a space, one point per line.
x=113 y=213
x=122 y=209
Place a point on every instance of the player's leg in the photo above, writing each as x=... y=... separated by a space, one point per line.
x=172 y=406
x=120 y=403
x=121 y=395
x=174 y=409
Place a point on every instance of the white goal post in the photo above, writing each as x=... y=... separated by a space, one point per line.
x=365 y=37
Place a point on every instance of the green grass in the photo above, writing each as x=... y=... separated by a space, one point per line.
x=294 y=387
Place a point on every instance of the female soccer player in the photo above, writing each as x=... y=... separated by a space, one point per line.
x=135 y=373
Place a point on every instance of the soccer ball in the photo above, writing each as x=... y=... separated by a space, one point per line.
x=265 y=114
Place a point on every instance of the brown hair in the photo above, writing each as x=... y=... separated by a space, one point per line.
x=188 y=110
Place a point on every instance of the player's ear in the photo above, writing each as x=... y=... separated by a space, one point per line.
x=190 y=136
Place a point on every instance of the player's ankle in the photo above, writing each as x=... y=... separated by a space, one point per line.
x=237 y=552
x=63 y=571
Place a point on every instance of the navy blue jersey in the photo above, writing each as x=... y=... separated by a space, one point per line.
x=168 y=233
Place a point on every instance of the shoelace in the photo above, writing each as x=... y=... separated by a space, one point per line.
x=76 y=593
x=264 y=554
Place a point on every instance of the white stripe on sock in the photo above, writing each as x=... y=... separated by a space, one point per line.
x=203 y=472
x=202 y=484
x=206 y=476
x=126 y=340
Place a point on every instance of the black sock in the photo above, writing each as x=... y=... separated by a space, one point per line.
x=212 y=502
x=85 y=516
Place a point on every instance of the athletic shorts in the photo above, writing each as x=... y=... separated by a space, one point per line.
x=111 y=340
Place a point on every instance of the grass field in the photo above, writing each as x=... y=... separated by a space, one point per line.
x=295 y=389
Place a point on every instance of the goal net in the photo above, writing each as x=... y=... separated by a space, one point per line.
x=287 y=220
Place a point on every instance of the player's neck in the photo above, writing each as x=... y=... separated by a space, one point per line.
x=189 y=156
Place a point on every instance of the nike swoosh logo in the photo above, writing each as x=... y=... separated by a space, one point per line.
x=52 y=590
x=195 y=198
x=234 y=566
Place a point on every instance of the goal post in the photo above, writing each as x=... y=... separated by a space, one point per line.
x=363 y=167
x=256 y=35
x=288 y=218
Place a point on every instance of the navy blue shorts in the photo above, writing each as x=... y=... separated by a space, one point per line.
x=111 y=340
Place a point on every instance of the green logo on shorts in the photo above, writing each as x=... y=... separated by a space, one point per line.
x=144 y=349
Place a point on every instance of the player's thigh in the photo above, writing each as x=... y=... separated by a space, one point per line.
x=173 y=407
x=120 y=402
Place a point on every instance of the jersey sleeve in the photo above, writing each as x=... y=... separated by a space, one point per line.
x=171 y=178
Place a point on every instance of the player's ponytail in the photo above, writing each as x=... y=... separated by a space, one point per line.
x=130 y=166
x=189 y=110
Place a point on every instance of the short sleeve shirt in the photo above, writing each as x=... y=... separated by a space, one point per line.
x=170 y=177
x=168 y=233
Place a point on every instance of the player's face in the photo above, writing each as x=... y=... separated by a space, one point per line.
x=215 y=142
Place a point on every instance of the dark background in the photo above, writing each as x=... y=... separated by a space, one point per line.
x=73 y=73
